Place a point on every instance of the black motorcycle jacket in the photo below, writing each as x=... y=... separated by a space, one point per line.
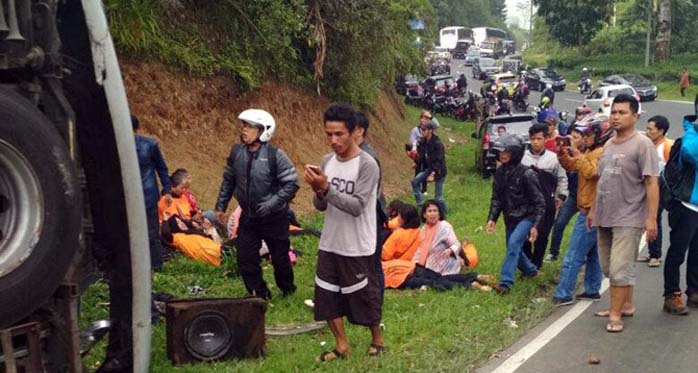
x=249 y=177
x=516 y=192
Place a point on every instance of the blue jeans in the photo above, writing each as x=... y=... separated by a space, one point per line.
x=564 y=215
x=582 y=248
x=438 y=192
x=515 y=258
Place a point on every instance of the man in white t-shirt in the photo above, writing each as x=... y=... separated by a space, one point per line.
x=346 y=189
x=657 y=128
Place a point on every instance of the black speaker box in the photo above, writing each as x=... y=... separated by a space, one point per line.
x=215 y=329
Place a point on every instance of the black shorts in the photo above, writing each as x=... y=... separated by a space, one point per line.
x=346 y=286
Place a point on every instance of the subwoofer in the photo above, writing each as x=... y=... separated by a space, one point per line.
x=215 y=329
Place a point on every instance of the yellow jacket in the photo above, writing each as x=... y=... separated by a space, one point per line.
x=586 y=167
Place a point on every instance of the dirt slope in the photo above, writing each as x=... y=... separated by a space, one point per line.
x=194 y=118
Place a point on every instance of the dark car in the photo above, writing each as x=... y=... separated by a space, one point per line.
x=461 y=50
x=644 y=88
x=485 y=158
x=484 y=67
x=537 y=79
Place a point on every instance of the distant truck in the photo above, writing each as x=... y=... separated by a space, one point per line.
x=492 y=38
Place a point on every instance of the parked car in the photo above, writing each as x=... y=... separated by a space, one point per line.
x=485 y=158
x=537 y=79
x=438 y=81
x=484 y=67
x=644 y=88
x=471 y=55
x=405 y=83
x=602 y=98
x=443 y=53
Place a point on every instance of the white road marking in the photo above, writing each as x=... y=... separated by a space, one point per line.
x=675 y=102
x=525 y=353
x=521 y=356
x=569 y=99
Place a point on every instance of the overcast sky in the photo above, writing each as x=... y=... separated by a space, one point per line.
x=514 y=16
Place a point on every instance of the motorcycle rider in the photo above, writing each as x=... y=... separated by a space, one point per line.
x=462 y=83
x=263 y=180
x=550 y=93
x=585 y=81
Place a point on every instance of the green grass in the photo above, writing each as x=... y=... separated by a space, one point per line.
x=424 y=331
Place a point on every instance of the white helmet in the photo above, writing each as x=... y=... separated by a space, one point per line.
x=584 y=69
x=261 y=119
x=548 y=86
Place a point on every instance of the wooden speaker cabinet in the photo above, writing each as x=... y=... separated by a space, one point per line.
x=215 y=329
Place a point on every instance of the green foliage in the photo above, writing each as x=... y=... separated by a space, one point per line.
x=470 y=13
x=574 y=23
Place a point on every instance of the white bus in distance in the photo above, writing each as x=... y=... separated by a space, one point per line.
x=449 y=36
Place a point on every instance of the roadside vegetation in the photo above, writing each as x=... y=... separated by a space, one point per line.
x=424 y=330
x=612 y=40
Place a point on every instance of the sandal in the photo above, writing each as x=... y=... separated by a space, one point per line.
x=606 y=313
x=330 y=355
x=487 y=279
x=614 y=326
x=643 y=259
x=375 y=350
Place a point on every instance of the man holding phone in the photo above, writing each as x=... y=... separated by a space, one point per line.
x=346 y=189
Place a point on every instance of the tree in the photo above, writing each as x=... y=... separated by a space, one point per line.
x=574 y=22
x=663 y=41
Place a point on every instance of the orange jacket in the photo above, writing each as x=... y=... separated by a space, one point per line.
x=586 y=166
x=667 y=148
x=401 y=244
x=179 y=206
x=396 y=272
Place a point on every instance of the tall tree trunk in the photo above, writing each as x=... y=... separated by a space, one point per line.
x=663 y=41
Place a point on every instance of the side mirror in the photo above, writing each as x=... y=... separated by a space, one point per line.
x=473 y=135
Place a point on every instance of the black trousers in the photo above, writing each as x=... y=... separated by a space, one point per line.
x=536 y=252
x=151 y=214
x=426 y=277
x=684 y=237
x=274 y=231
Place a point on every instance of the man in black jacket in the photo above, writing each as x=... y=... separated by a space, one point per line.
x=516 y=192
x=432 y=162
x=679 y=198
x=263 y=181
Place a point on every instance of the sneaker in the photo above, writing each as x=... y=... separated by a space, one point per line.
x=550 y=258
x=692 y=300
x=592 y=297
x=674 y=305
x=559 y=302
x=425 y=193
x=654 y=262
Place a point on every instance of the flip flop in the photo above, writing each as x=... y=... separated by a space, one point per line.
x=614 y=326
x=375 y=350
x=330 y=355
x=606 y=313
x=643 y=259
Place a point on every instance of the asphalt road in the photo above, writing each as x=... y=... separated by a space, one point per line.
x=568 y=101
x=653 y=341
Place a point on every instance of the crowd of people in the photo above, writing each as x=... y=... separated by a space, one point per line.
x=599 y=168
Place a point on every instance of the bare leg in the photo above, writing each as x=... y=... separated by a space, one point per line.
x=340 y=337
x=628 y=306
x=376 y=335
x=617 y=301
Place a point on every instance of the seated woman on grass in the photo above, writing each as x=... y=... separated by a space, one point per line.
x=404 y=240
x=437 y=260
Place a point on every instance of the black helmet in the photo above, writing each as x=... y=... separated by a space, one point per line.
x=511 y=143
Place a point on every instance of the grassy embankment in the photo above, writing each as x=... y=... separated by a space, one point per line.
x=664 y=75
x=424 y=330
